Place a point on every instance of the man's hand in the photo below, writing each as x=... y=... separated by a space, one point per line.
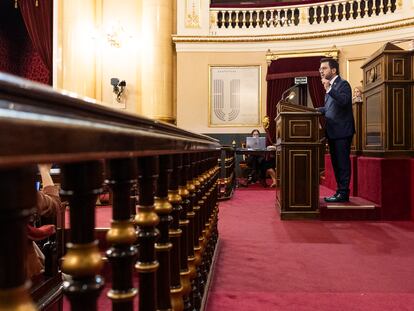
x=326 y=84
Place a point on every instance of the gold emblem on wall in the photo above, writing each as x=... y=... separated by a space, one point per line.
x=192 y=13
x=266 y=122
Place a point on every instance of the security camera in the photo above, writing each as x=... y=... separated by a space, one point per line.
x=114 y=81
x=118 y=88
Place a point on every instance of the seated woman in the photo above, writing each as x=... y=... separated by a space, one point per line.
x=260 y=166
x=48 y=203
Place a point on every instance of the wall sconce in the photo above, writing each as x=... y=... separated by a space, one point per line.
x=118 y=88
x=116 y=36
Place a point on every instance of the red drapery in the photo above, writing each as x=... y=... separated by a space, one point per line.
x=17 y=54
x=280 y=76
x=275 y=89
x=39 y=25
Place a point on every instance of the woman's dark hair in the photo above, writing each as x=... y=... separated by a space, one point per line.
x=255 y=130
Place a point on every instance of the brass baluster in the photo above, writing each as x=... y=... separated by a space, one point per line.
x=188 y=177
x=163 y=247
x=186 y=269
x=81 y=184
x=121 y=177
x=197 y=297
x=177 y=288
x=146 y=219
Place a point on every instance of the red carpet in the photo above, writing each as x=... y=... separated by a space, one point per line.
x=267 y=264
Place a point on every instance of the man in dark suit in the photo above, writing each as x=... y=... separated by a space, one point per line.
x=340 y=126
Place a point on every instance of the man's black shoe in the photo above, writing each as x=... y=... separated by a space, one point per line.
x=337 y=197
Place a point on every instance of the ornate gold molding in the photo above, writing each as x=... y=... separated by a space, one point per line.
x=333 y=52
x=300 y=36
x=192 y=16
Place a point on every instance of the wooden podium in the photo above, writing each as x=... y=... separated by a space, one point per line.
x=297 y=161
x=387 y=111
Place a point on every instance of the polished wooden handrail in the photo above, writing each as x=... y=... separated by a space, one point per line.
x=58 y=126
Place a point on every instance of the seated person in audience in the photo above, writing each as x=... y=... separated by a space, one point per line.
x=357 y=94
x=261 y=166
x=48 y=203
x=269 y=164
x=254 y=162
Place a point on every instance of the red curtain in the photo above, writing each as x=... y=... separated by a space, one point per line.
x=316 y=91
x=280 y=76
x=275 y=89
x=17 y=54
x=39 y=25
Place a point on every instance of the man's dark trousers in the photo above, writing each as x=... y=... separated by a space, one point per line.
x=340 y=150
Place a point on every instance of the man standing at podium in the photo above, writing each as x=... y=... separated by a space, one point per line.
x=339 y=127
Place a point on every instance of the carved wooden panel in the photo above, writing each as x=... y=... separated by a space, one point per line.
x=300 y=168
x=300 y=129
x=297 y=127
x=373 y=74
x=373 y=120
x=298 y=171
x=399 y=117
x=399 y=67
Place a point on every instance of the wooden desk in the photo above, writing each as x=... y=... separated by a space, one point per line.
x=256 y=152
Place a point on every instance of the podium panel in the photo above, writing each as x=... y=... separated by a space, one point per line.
x=297 y=161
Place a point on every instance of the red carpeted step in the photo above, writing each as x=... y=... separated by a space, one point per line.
x=356 y=209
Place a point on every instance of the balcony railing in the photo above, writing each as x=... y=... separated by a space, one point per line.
x=243 y=21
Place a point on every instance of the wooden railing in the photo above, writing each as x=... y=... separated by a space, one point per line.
x=227 y=180
x=172 y=236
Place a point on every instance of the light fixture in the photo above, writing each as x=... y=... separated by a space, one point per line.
x=291 y=96
x=116 y=35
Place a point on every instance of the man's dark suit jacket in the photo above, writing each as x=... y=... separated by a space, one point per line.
x=338 y=110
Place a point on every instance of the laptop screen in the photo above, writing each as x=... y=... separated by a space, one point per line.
x=256 y=142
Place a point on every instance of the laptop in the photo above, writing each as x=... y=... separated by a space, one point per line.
x=256 y=142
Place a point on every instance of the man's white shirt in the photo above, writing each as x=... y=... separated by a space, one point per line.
x=331 y=83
